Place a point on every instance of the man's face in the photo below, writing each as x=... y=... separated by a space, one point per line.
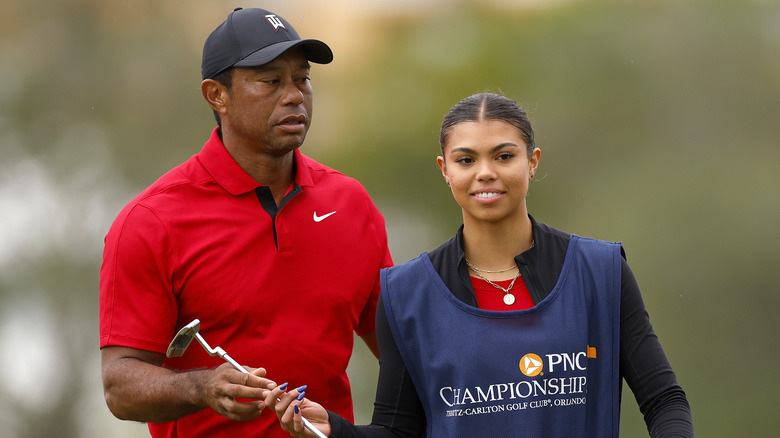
x=269 y=107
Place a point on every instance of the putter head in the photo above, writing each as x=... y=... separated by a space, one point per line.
x=182 y=340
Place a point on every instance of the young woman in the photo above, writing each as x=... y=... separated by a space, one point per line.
x=511 y=327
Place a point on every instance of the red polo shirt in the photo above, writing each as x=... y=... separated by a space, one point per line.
x=284 y=292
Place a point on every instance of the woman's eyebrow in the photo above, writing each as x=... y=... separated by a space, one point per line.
x=468 y=150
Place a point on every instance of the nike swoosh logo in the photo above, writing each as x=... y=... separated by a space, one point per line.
x=323 y=217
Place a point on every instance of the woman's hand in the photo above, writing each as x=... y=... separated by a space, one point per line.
x=291 y=407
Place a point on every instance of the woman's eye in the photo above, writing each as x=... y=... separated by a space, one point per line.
x=505 y=156
x=464 y=160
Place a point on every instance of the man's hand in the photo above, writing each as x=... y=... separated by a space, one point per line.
x=231 y=393
x=138 y=388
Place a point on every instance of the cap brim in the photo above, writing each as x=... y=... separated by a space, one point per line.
x=316 y=51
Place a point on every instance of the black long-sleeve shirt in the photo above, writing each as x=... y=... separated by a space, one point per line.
x=643 y=364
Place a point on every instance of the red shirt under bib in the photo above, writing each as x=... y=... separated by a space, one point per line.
x=491 y=298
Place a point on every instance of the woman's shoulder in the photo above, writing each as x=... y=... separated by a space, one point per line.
x=448 y=253
x=549 y=231
x=555 y=236
x=554 y=241
x=558 y=241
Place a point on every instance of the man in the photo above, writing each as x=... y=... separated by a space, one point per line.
x=276 y=254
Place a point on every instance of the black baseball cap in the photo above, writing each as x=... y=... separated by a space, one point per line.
x=251 y=37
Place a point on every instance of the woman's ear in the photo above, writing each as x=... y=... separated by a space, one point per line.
x=443 y=167
x=533 y=162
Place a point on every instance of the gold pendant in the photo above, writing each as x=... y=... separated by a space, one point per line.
x=509 y=299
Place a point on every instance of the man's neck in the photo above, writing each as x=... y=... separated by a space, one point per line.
x=275 y=171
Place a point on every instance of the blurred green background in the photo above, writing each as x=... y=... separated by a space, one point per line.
x=657 y=121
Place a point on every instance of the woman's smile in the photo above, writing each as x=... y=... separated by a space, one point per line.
x=487 y=197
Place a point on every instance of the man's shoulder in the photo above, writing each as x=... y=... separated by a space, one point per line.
x=327 y=177
x=178 y=182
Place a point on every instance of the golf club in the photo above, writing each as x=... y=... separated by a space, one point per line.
x=184 y=337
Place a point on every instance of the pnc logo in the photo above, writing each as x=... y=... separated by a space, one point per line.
x=531 y=365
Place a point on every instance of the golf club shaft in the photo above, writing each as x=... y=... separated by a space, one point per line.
x=306 y=422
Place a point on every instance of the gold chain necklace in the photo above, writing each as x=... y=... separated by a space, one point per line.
x=476 y=269
x=509 y=298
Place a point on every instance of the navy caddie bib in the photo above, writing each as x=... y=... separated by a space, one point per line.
x=545 y=372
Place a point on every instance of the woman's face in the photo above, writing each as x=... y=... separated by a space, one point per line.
x=486 y=165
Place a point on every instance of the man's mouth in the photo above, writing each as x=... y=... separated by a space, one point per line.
x=293 y=120
x=293 y=124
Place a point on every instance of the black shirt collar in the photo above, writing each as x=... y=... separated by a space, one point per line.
x=540 y=265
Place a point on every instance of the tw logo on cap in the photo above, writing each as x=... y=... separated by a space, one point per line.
x=275 y=22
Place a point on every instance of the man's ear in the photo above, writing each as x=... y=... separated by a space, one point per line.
x=215 y=94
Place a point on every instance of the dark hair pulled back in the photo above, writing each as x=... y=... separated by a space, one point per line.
x=488 y=106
